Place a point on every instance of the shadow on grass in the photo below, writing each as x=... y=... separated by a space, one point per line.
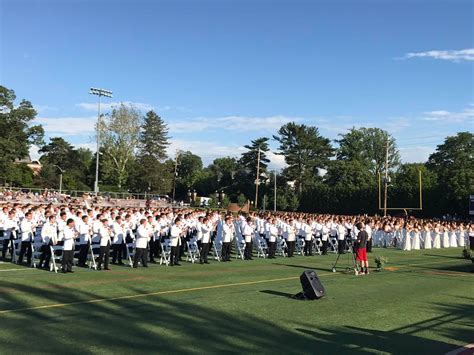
x=443 y=256
x=160 y=324
x=277 y=293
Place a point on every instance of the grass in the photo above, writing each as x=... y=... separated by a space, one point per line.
x=422 y=304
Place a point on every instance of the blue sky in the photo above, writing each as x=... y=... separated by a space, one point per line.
x=221 y=73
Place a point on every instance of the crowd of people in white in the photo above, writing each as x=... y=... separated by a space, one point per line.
x=138 y=236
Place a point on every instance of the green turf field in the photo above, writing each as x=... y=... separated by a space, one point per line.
x=424 y=303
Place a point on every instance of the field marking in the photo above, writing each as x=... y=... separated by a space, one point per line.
x=98 y=300
x=22 y=269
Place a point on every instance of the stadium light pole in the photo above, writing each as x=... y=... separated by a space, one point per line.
x=99 y=93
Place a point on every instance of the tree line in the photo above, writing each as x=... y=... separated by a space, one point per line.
x=321 y=175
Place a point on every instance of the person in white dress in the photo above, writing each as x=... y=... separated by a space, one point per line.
x=427 y=237
x=445 y=238
x=407 y=241
x=461 y=234
x=416 y=238
x=437 y=237
x=453 y=239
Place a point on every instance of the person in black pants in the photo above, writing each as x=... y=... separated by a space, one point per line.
x=175 y=235
x=9 y=231
x=104 y=251
x=68 y=246
x=140 y=244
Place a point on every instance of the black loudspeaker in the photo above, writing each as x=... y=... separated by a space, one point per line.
x=312 y=287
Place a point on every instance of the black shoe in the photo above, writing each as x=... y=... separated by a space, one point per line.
x=206 y=262
x=106 y=268
x=64 y=271
x=70 y=271
x=177 y=264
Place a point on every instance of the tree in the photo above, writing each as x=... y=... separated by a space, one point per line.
x=17 y=132
x=453 y=163
x=305 y=152
x=119 y=136
x=150 y=173
x=189 y=172
x=368 y=147
x=351 y=174
x=58 y=155
x=248 y=160
x=154 y=139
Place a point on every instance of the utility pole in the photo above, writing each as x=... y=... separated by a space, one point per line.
x=61 y=171
x=175 y=173
x=257 y=180
x=275 y=192
x=386 y=181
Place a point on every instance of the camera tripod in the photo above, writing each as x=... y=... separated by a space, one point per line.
x=351 y=259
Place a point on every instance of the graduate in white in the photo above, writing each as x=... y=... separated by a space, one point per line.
x=141 y=243
x=49 y=234
x=206 y=229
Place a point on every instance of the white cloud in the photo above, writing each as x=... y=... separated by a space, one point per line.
x=467 y=115
x=67 y=126
x=44 y=108
x=106 y=106
x=450 y=55
x=230 y=123
x=416 y=154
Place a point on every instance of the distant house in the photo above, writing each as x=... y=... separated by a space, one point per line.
x=34 y=165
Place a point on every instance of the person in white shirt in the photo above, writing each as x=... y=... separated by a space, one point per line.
x=104 y=251
x=118 y=245
x=205 y=227
x=175 y=235
x=227 y=236
x=272 y=238
x=325 y=238
x=69 y=234
x=307 y=233
x=290 y=236
x=84 y=231
x=49 y=235
x=141 y=243
x=26 y=228
x=247 y=232
x=9 y=231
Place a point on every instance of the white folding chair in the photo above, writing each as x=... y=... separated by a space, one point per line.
x=56 y=257
x=262 y=247
x=300 y=243
x=217 y=246
x=16 y=245
x=93 y=254
x=318 y=244
x=35 y=252
x=165 y=252
x=281 y=247
x=130 y=253
x=239 y=247
x=333 y=244
x=192 y=253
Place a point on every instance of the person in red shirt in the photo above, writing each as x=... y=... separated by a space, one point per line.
x=362 y=238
